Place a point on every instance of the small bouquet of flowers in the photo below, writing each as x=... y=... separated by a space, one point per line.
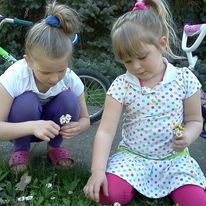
x=178 y=129
x=64 y=119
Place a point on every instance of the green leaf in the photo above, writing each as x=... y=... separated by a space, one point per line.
x=2 y=176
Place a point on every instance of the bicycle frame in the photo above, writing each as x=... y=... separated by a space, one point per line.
x=189 y=31
x=6 y=56
x=3 y=53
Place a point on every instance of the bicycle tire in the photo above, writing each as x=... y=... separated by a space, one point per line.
x=95 y=88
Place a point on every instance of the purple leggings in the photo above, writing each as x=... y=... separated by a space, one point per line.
x=27 y=107
x=122 y=192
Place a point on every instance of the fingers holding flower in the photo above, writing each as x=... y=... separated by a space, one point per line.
x=70 y=130
x=180 y=140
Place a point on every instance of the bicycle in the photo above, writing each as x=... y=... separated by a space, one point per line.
x=95 y=83
x=190 y=31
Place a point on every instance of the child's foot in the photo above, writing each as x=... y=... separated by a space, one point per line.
x=60 y=157
x=19 y=161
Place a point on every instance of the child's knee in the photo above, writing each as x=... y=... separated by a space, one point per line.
x=184 y=195
x=122 y=197
x=119 y=191
x=68 y=99
x=70 y=104
x=25 y=107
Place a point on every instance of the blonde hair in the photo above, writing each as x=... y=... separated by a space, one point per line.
x=52 y=41
x=137 y=27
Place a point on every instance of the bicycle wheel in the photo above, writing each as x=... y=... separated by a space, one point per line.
x=96 y=86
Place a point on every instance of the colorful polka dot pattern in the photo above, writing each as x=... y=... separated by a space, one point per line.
x=156 y=178
x=149 y=115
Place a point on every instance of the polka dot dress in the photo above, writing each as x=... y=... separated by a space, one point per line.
x=149 y=115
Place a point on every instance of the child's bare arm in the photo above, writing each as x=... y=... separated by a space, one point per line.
x=5 y=104
x=101 y=149
x=192 y=122
x=193 y=116
x=105 y=133
x=41 y=129
x=9 y=131
x=84 y=116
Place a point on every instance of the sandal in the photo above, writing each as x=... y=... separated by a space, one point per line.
x=20 y=158
x=55 y=155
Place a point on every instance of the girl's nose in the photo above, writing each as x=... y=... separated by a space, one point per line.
x=53 y=79
x=137 y=64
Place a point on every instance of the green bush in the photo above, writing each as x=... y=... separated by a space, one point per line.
x=96 y=18
x=94 y=48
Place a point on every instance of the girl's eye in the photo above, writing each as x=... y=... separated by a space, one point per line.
x=63 y=71
x=142 y=58
x=45 y=73
x=127 y=62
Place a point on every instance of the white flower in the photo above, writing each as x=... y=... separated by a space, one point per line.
x=70 y=192
x=116 y=204
x=178 y=132
x=62 y=120
x=49 y=185
x=68 y=118
x=21 y=199
x=30 y=197
x=52 y=198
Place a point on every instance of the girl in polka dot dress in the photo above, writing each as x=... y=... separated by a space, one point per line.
x=154 y=96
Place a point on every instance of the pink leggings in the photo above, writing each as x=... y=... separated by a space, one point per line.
x=122 y=192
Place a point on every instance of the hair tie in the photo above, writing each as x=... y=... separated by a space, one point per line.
x=140 y=5
x=53 y=21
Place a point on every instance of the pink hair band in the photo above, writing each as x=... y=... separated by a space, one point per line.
x=140 y=5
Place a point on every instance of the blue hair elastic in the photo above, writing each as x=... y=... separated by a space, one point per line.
x=53 y=21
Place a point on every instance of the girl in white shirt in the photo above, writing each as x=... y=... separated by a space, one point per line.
x=38 y=90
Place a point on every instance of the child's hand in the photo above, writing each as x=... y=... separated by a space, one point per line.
x=96 y=181
x=45 y=130
x=70 y=130
x=181 y=142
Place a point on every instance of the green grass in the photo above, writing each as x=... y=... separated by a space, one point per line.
x=66 y=187
x=95 y=97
